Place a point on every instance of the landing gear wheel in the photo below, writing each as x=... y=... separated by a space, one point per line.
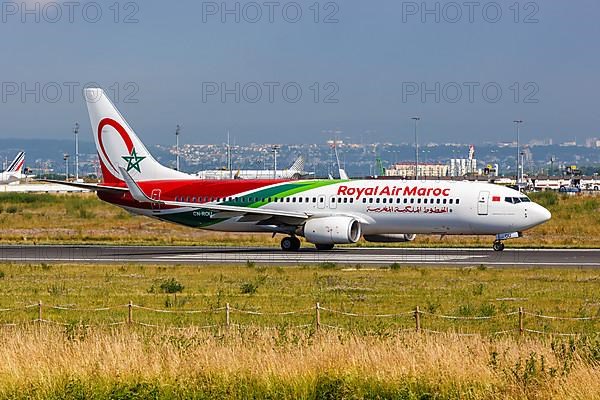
x=324 y=246
x=290 y=243
x=498 y=246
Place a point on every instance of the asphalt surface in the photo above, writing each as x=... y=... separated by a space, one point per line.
x=348 y=255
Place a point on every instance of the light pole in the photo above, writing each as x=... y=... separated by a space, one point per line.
x=76 y=132
x=274 y=150
x=416 y=119
x=229 y=157
x=518 y=123
x=66 y=158
x=177 y=131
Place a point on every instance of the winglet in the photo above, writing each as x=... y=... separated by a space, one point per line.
x=135 y=191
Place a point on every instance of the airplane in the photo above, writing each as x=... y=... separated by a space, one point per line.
x=14 y=172
x=323 y=212
x=295 y=171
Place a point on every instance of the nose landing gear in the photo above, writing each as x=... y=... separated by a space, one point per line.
x=290 y=243
x=499 y=242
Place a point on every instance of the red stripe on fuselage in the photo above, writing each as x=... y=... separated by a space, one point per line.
x=198 y=188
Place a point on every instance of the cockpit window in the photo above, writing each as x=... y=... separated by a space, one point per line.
x=525 y=200
x=516 y=200
x=508 y=199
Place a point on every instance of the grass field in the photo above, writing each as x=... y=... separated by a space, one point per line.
x=266 y=357
x=47 y=218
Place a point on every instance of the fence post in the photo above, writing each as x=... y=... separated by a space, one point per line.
x=130 y=312
x=227 y=313
x=417 y=319
x=318 y=316
x=521 y=322
x=40 y=310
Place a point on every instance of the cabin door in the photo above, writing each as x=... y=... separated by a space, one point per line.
x=482 y=203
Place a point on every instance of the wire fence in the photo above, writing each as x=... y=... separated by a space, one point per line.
x=317 y=315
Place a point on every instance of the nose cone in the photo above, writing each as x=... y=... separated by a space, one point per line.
x=540 y=215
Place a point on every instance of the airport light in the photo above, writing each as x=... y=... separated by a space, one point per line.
x=274 y=150
x=416 y=119
x=518 y=123
x=177 y=131
x=76 y=132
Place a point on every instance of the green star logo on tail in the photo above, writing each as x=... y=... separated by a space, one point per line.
x=133 y=161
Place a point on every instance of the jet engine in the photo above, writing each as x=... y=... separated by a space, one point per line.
x=391 y=238
x=332 y=230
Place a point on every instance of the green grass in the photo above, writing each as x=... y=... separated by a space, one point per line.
x=465 y=292
x=268 y=356
x=82 y=218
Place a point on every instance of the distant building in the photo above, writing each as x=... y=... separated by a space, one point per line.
x=464 y=166
x=407 y=170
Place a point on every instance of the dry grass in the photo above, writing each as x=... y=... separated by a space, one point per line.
x=82 y=218
x=41 y=362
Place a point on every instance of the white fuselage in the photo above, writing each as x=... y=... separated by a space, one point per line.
x=395 y=207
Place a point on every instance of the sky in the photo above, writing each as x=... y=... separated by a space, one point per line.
x=294 y=72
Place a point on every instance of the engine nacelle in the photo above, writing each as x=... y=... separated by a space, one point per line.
x=391 y=238
x=332 y=230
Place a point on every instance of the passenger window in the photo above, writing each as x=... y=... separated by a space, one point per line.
x=412 y=201
x=419 y=200
x=457 y=201
x=314 y=199
x=345 y=200
x=425 y=201
x=451 y=201
x=307 y=199
x=293 y=199
x=377 y=200
x=398 y=200
x=384 y=200
x=300 y=200
x=351 y=200
x=438 y=201
x=371 y=200
x=287 y=199
x=405 y=200
x=444 y=201
x=364 y=200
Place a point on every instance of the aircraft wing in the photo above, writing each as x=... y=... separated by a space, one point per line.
x=230 y=211
x=94 y=187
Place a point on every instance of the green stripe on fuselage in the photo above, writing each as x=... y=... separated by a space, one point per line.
x=202 y=218
x=279 y=192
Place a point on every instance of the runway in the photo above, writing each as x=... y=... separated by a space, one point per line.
x=345 y=255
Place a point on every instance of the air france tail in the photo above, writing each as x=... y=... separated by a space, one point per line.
x=17 y=165
x=119 y=146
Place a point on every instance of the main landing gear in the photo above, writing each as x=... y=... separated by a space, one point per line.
x=498 y=245
x=324 y=247
x=290 y=243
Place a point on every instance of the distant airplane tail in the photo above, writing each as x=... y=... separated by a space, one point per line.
x=298 y=165
x=16 y=167
x=119 y=146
